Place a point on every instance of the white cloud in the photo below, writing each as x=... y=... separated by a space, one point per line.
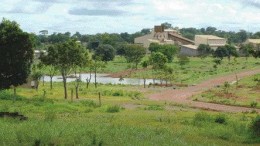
x=104 y=15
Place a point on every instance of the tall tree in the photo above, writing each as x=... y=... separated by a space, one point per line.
x=168 y=50
x=231 y=51
x=68 y=55
x=134 y=54
x=158 y=60
x=105 y=53
x=16 y=53
x=204 y=50
x=246 y=50
x=220 y=52
x=50 y=61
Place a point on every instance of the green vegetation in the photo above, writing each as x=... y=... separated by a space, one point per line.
x=58 y=122
x=198 y=70
x=245 y=93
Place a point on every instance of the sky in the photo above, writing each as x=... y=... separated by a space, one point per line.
x=116 y=16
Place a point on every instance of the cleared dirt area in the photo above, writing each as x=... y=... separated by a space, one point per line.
x=181 y=96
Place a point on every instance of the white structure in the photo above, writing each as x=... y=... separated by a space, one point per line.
x=189 y=50
x=254 y=42
x=162 y=36
x=37 y=53
x=213 y=41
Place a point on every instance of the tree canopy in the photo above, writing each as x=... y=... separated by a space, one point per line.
x=16 y=53
x=66 y=56
x=134 y=53
x=105 y=53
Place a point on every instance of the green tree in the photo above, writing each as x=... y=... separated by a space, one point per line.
x=220 y=52
x=154 y=47
x=168 y=50
x=231 y=51
x=105 y=53
x=204 y=50
x=68 y=55
x=16 y=53
x=183 y=60
x=97 y=64
x=166 y=25
x=37 y=74
x=134 y=54
x=158 y=60
x=246 y=50
x=50 y=60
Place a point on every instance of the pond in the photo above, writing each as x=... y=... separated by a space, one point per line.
x=104 y=79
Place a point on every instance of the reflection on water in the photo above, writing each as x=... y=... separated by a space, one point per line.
x=102 y=78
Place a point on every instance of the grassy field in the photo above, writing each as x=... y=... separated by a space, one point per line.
x=245 y=93
x=195 y=71
x=124 y=118
x=198 y=70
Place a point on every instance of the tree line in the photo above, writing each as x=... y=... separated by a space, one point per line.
x=116 y=39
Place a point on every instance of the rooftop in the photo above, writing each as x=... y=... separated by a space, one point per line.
x=191 y=46
x=209 y=37
x=254 y=41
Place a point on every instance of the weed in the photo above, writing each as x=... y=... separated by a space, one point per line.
x=50 y=116
x=221 y=119
x=89 y=103
x=154 y=107
x=255 y=126
x=253 y=104
x=113 y=109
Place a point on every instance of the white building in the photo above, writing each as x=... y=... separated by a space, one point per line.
x=213 y=41
x=162 y=36
x=189 y=50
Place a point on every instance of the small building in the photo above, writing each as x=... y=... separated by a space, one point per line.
x=189 y=50
x=213 y=41
x=254 y=42
x=162 y=36
x=37 y=53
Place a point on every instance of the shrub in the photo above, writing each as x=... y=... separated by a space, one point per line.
x=253 y=104
x=221 y=119
x=201 y=117
x=49 y=115
x=5 y=95
x=88 y=103
x=113 y=109
x=154 y=107
x=255 y=126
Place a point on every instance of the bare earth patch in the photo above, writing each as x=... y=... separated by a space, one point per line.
x=182 y=96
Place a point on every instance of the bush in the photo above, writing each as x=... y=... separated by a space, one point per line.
x=5 y=95
x=154 y=107
x=201 y=117
x=221 y=119
x=255 y=127
x=113 y=109
x=50 y=116
x=88 y=103
x=253 y=104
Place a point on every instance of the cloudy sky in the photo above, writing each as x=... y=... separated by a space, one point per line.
x=98 y=16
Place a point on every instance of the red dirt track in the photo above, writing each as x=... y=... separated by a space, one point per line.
x=181 y=96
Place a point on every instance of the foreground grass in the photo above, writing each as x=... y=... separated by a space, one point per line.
x=55 y=121
x=245 y=93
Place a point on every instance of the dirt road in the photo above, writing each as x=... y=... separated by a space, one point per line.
x=181 y=96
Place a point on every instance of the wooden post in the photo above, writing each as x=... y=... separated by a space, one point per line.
x=44 y=93
x=14 y=91
x=99 y=98
x=71 y=95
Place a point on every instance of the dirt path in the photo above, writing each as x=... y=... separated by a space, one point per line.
x=181 y=96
